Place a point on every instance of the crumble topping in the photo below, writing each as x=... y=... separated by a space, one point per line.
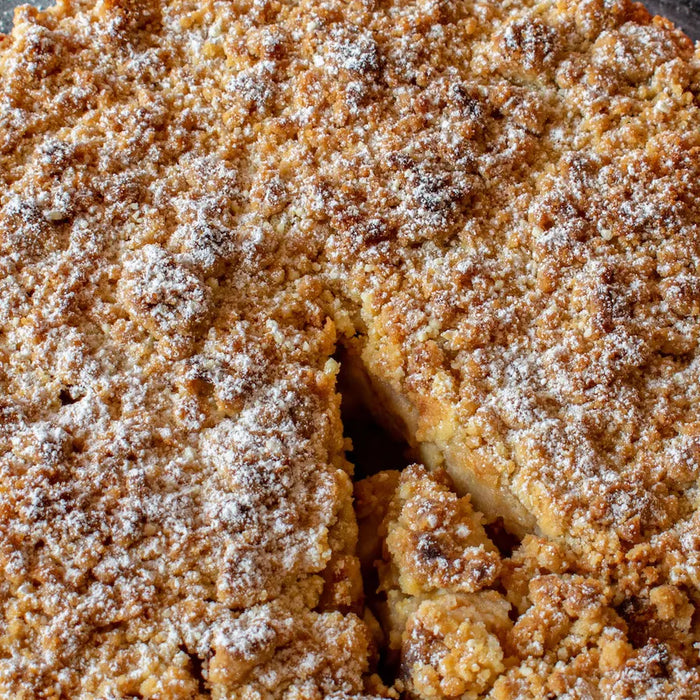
x=493 y=205
x=537 y=628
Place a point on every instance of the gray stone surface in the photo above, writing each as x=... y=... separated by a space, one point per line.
x=7 y=7
x=685 y=14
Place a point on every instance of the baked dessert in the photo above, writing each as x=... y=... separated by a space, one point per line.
x=492 y=206
x=464 y=622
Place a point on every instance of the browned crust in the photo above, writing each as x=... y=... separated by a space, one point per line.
x=500 y=200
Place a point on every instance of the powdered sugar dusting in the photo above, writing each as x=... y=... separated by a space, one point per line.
x=496 y=199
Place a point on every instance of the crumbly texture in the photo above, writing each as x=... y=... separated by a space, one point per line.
x=493 y=205
x=532 y=628
x=176 y=515
x=436 y=539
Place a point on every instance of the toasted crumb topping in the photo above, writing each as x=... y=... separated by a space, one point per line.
x=539 y=629
x=495 y=204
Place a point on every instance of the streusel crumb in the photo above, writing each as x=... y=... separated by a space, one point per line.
x=539 y=629
x=492 y=205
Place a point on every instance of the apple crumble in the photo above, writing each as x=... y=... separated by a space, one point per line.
x=493 y=207
x=527 y=626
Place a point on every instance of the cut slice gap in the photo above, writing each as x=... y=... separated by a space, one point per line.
x=375 y=446
x=400 y=418
x=372 y=498
x=373 y=449
x=197 y=670
x=505 y=541
x=380 y=454
x=377 y=452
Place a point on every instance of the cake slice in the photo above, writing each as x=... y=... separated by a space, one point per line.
x=463 y=622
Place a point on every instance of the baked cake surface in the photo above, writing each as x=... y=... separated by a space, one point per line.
x=493 y=206
x=463 y=622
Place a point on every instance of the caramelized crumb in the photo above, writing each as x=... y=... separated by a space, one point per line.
x=497 y=203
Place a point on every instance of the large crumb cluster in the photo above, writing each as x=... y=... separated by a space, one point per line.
x=527 y=626
x=493 y=205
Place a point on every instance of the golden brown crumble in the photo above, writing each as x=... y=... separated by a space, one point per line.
x=537 y=630
x=492 y=205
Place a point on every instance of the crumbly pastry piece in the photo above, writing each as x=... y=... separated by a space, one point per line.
x=436 y=540
x=494 y=205
x=176 y=511
x=532 y=628
x=444 y=626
